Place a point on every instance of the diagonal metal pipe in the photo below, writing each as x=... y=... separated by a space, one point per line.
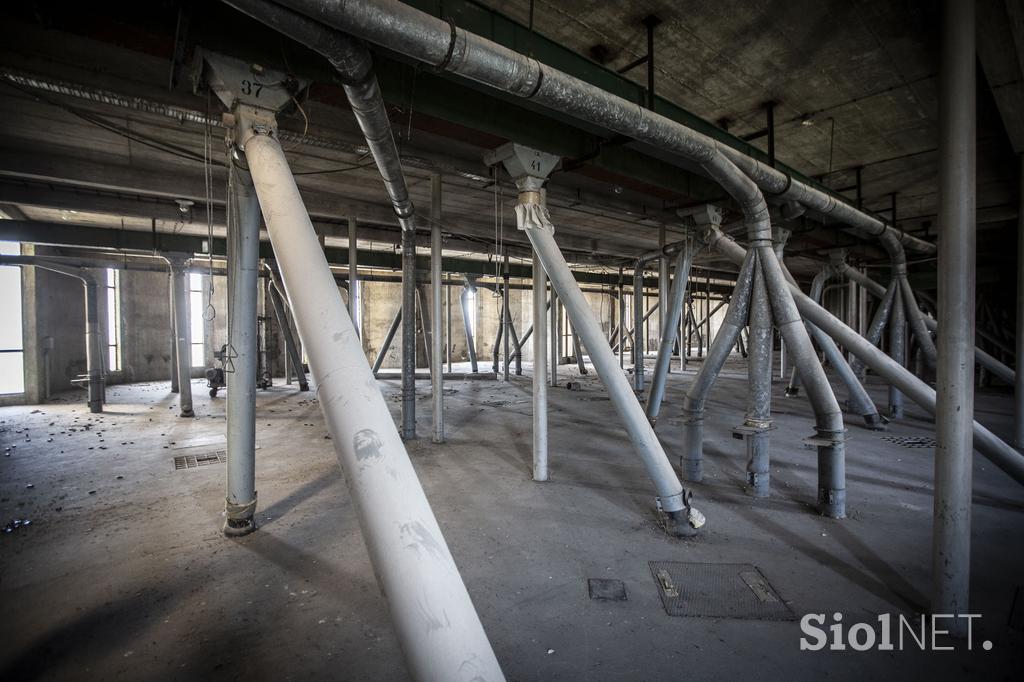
x=669 y=331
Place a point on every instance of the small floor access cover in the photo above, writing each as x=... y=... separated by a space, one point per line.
x=911 y=441
x=717 y=591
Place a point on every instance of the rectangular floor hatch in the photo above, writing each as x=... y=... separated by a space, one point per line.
x=911 y=441
x=202 y=459
x=717 y=591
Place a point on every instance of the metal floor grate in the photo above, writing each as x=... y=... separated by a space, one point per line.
x=911 y=441
x=717 y=591
x=205 y=459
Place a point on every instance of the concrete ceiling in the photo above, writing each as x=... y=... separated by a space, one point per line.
x=863 y=72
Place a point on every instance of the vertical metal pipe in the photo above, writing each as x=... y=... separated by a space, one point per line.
x=183 y=335
x=438 y=629
x=663 y=284
x=94 y=344
x=468 y=315
x=174 y=333
x=437 y=363
x=506 y=315
x=243 y=283
x=408 y=334
x=759 y=377
x=638 y=328
x=672 y=310
x=384 y=347
x=353 y=275
x=897 y=350
x=540 y=379
x=448 y=326
x=556 y=331
x=951 y=555
x=577 y=350
x=622 y=321
x=670 y=491
x=1018 y=395
x=290 y=345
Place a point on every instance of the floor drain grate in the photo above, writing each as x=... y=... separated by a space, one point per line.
x=911 y=441
x=205 y=459
x=717 y=591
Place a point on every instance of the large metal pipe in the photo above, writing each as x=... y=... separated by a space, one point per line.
x=1018 y=383
x=437 y=348
x=506 y=314
x=638 y=329
x=758 y=419
x=353 y=275
x=408 y=334
x=700 y=387
x=951 y=538
x=988 y=444
x=173 y=358
x=388 y=338
x=532 y=218
x=290 y=342
x=540 y=379
x=897 y=349
x=672 y=310
x=183 y=334
x=243 y=285
x=436 y=624
x=468 y=315
x=817 y=287
x=621 y=291
x=878 y=324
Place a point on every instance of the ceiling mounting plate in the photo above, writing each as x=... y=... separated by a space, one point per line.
x=236 y=82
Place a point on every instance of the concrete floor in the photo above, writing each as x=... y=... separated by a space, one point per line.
x=124 y=574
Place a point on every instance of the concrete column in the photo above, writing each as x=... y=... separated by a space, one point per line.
x=183 y=335
x=954 y=414
x=1018 y=425
x=243 y=287
x=438 y=341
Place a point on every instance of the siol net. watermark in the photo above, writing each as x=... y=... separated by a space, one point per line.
x=889 y=633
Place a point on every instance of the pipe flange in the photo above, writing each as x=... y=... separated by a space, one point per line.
x=239 y=519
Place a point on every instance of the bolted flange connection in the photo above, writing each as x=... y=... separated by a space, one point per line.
x=239 y=519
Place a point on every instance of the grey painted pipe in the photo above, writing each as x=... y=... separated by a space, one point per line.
x=408 y=334
x=437 y=355
x=987 y=361
x=174 y=337
x=674 y=304
x=243 y=285
x=506 y=316
x=638 y=329
x=951 y=533
x=622 y=322
x=291 y=347
x=915 y=318
x=577 y=350
x=351 y=59
x=759 y=382
x=988 y=444
x=540 y=379
x=384 y=347
x=182 y=329
x=529 y=332
x=555 y=331
x=468 y=324
x=439 y=631
x=353 y=275
x=897 y=350
x=817 y=287
x=641 y=435
x=1018 y=382
x=878 y=324
x=698 y=390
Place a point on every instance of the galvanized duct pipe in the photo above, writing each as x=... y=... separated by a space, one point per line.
x=817 y=287
x=672 y=311
x=436 y=624
x=698 y=390
x=758 y=419
x=988 y=444
x=897 y=350
x=439 y=43
x=467 y=321
x=354 y=66
x=859 y=401
x=878 y=324
x=243 y=286
x=93 y=339
x=532 y=217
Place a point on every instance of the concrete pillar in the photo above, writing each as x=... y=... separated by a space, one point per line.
x=954 y=413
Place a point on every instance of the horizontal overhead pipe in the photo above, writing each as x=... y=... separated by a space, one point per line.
x=438 y=628
x=988 y=444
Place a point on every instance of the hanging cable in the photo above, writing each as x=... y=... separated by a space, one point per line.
x=210 y=313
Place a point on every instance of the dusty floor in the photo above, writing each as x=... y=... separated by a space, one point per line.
x=124 y=574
